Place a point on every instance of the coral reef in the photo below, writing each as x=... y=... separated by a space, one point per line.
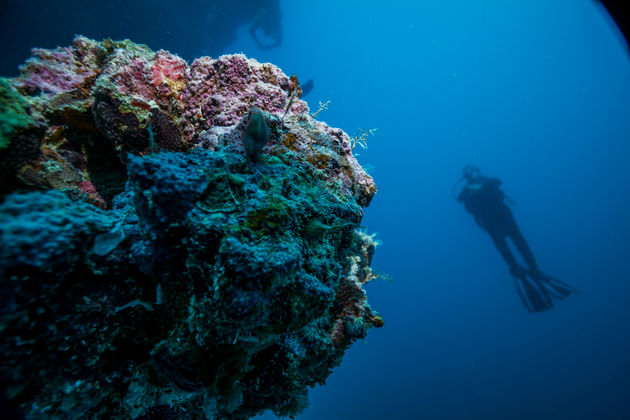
x=173 y=244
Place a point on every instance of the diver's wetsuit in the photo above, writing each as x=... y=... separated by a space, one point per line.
x=486 y=205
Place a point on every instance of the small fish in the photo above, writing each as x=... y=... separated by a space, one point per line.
x=256 y=134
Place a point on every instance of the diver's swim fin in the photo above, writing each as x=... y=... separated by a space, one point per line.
x=552 y=285
x=532 y=293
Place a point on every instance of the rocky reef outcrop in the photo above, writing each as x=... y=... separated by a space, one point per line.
x=176 y=241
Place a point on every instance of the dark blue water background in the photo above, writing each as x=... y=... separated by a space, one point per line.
x=534 y=92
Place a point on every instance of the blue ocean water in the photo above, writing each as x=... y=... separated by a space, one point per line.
x=536 y=93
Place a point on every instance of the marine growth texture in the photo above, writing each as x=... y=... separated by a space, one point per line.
x=172 y=245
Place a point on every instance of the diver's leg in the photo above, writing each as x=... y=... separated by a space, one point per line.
x=523 y=248
x=503 y=248
x=519 y=241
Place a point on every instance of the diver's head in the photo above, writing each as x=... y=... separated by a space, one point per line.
x=471 y=173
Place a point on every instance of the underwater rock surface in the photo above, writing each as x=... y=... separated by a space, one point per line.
x=176 y=241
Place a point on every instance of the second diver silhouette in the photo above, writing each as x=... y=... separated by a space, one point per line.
x=483 y=198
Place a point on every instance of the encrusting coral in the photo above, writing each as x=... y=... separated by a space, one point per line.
x=170 y=247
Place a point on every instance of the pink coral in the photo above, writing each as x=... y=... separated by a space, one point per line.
x=131 y=91
x=169 y=74
x=221 y=91
x=87 y=187
x=53 y=71
x=167 y=66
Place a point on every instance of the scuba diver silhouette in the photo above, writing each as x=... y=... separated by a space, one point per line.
x=483 y=198
x=268 y=19
x=226 y=16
